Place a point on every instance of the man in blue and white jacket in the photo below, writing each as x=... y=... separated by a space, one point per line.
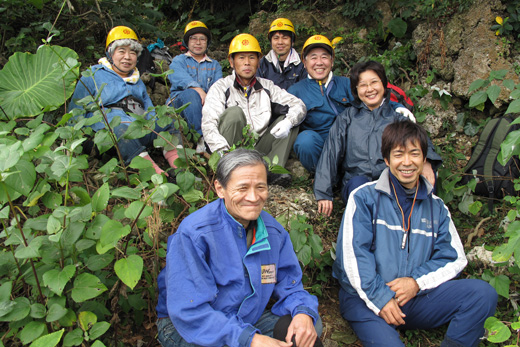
x=399 y=251
x=226 y=262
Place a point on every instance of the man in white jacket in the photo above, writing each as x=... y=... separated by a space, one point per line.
x=242 y=99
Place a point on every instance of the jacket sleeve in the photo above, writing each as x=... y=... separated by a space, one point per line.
x=180 y=79
x=191 y=288
x=330 y=160
x=292 y=298
x=214 y=106
x=448 y=258
x=147 y=102
x=297 y=109
x=358 y=262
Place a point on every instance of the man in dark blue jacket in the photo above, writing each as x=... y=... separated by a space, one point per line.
x=282 y=64
x=398 y=253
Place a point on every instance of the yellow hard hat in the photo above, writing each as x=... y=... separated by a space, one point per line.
x=120 y=32
x=281 y=24
x=317 y=41
x=195 y=27
x=336 y=40
x=244 y=43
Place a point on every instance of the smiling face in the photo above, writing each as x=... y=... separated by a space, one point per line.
x=197 y=45
x=124 y=59
x=245 y=65
x=318 y=63
x=281 y=44
x=406 y=163
x=370 y=89
x=245 y=193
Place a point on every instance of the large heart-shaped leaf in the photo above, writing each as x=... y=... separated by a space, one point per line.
x=32 y=83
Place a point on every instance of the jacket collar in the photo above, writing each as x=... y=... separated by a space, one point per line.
x=205 y=58
x=329 y=79
x=292 y=58
x=255 y=84
x=383 y=184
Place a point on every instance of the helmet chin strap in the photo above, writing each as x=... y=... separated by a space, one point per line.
x=111 y=61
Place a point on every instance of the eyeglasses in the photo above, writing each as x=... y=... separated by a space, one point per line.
x=202 y=39
x=372 y=84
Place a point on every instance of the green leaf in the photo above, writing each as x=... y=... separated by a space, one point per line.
x=6 y=306
x=31 y=332
x=135 y=207
x=476 y=85
x=304 y=255
x=20 y=309
x=316 y=245
x=397 y=27
x=20 y=181
x=127 y=193
x=56 y=279
x=73 y=338
x=86 y=320
x=497 y=75
x=87 y=286
x=5 y=291
x=213 y=161
x=509 y=147
x=478 y=98
x=50 y=340
x=99 y=261
x=100 y=198
x=56 y=311
x=98 y=329
x=38 y=311
x=509 y=84
x=140 y=163
x=32 y=251
x=185 y=181
x=31 y=83
x=111 y=232
x=514 y=107
x=193 y=196
x=475 y=207
x=98 y=343
x=498 y=331
x=501 y=284
x=493 y=92
x=129 y=270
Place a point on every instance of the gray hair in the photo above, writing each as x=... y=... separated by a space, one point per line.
x=134 y=46
x=238 y=158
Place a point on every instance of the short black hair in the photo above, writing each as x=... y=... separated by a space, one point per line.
x=359 y=68
x=399 y=133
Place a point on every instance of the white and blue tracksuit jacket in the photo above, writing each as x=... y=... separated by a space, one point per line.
x=214 y=289
x=370 y=249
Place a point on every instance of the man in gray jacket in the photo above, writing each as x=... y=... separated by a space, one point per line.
x=242 y=99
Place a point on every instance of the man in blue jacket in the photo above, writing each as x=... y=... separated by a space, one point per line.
x=325 y=96
x=226 y=262
x=398 y=253
x=193 y=73
x=282 y=64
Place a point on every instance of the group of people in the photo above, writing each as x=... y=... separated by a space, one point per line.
x=231 y=276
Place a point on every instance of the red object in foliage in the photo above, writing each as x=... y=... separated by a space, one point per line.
x=398 y=95
x=180 y=46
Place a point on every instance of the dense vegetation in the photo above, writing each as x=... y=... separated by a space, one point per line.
x=84 y=236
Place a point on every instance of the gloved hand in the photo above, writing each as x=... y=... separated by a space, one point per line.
x=282 y=129
x=406 y=112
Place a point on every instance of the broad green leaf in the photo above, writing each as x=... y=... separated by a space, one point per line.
x=98 y=343
x=32 y=251
x=316 y=245
x=73 y=338
x=476 y=85
x=86 y=320
x=478 y=98
x=140 y=163
x=5 y=291
x=10 y=155
x=6 y=306
x=298 y=239
x=493 y=92
x=185 y=181
x=135 y=207
x=498 y=331
x=304 y=255
x=94 y=232
x=80 y=196
x=509 y=147
x=111 y=233
x=87 y=286
x=502 y=252
x=52 y=200
x=20 y=180
x=498 y=74
x=38 y=311
x=50 y=340
x=31 y=83
x=20 y=310
x=129 y=270
x=475 y=207
x=397 y=27
x=193 y=196
x=53 y=225
x=213 y=161
x=501 y=284
x=509 y=84
x=69 y=319
x=100 y=198
x=127 y=193
x=514 y=107
x=31 y=332
x=98 y=329
x=56 y=279
x=56 y=311
x=99 y=261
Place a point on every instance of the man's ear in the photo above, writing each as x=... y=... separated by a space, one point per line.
x=230 y=59
x=219 y=189
x=386 y=162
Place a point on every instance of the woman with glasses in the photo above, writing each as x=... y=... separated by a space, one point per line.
x=352 y=151
x=193 y=73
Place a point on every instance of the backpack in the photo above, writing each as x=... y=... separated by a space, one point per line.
x=145 y=62
x=495 y=180
x=398 y=95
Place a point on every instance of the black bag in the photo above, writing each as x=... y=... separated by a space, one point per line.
x=495 y=180
x=145 y=62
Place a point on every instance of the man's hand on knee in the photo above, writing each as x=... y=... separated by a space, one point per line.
x=392 y=313
x=262 y=340
x=302 y=326
x=405 y=288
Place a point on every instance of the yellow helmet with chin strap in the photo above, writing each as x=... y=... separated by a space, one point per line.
x=119 y=33
x=244 y=43
x=317 y=41
x=195 y=27
x=281 y=24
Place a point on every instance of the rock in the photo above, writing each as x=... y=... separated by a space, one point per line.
x=434 y=124
x=483 y=257
x=290 y=202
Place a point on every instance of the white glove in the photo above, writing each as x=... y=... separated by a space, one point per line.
x=282 y=129
x=406 y=112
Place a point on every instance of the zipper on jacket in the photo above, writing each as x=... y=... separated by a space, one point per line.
x=321 y=87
